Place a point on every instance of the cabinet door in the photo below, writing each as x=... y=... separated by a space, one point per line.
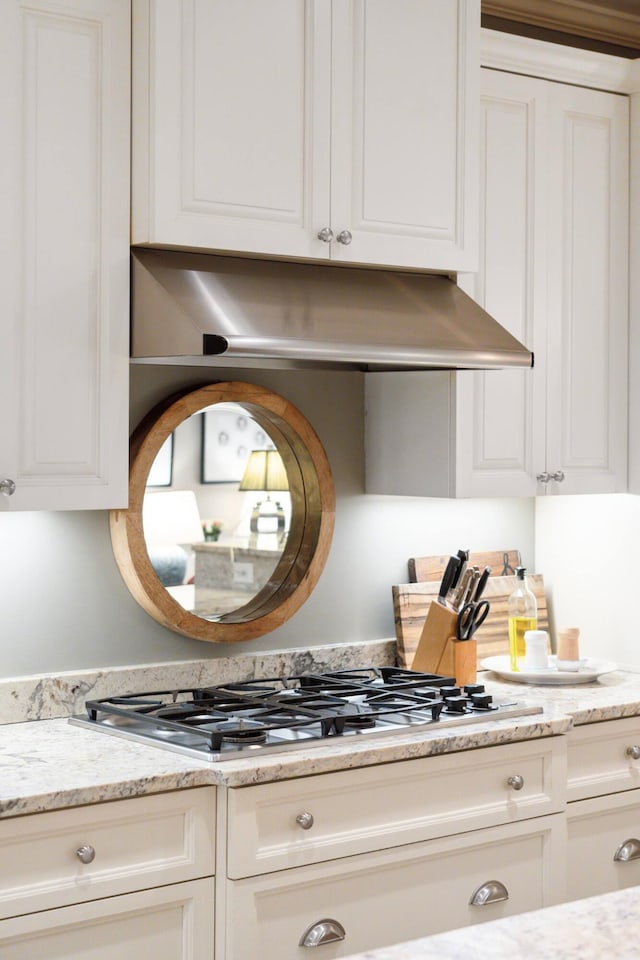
x=231 y=119
x=64 y=273
x=403 y=893
x=587 y=297
x=603 y=845
x=169 y=923
x=404 y=132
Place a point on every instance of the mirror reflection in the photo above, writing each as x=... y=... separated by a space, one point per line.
x=216 y=510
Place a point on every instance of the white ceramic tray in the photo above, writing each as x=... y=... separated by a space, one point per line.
x=589 y=671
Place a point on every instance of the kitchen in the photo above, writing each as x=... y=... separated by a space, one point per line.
x=56 y=562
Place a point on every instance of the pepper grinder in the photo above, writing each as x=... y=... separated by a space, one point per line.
x=568 y=649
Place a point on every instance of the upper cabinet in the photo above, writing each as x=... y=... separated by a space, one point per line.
x=327 y=129
x=553 y=271
x=64 y=272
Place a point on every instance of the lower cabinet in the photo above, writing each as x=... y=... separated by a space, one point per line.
x=377 y=899
x=603 y=845
x=166 y=923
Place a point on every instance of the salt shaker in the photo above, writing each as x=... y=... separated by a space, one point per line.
x=536 y=645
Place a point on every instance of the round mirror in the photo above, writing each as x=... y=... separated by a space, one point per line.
x=234 y=554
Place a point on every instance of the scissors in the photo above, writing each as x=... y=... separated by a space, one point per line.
x=470 y=618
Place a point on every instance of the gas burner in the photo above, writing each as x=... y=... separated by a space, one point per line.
x=273 y=713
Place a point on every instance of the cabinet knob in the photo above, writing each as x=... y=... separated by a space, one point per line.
x=629 y=850
x=634 y=752
x=516 y=781
x=558 y=476
x=7 y=487
x=344 y=237
x=326 y=235
x=543 y=477
x=324 y=931
x=305 y=820
x=490 y=892
x=86 y=853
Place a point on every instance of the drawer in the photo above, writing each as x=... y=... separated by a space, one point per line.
x=596 y=829
x=597 y=758
x=137 y=844
x=297 y=822
x=382 y=898
x=168 y=923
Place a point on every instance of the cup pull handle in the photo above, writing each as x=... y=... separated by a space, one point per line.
x=490 y=892
x=324 y=931
x=629 y=850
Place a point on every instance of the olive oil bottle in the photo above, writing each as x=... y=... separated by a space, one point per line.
x=522 y=611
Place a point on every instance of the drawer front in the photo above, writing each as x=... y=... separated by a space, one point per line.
x=598 y=761
x=383 y=898
x=169 y=923
x=131 y=845
x=596 y=830
x=292 y=823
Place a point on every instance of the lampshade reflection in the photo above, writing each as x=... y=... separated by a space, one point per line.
x=170 y=520
x=266 y=472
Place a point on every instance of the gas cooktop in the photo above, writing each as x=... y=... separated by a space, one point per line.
x=262 y=716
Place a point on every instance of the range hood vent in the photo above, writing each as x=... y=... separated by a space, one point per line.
x=218 y=310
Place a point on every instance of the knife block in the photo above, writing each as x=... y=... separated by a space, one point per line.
x=440 y=652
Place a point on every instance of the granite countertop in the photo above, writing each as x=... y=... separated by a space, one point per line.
x=581 y=930
x=48 y=764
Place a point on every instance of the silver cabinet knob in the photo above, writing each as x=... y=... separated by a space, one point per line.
x=558 y=476
x=629 y=850
x=324 y=931
x=634 y=752
x=344 y=237
x=516 y=781
x=86 y=853
x=305 y=820
x=7 y=487
x=490 y=892
x=326 y=235
x=543 y=477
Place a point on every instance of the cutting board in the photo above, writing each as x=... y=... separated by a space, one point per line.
x=411 y=602
x=503 y=563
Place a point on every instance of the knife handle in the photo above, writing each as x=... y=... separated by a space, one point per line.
x=482 y=582
x=447 y=579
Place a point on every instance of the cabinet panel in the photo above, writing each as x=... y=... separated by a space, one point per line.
x=64 y=366
x=137 y=843
x=596 y=829
x=378 y=807
x=408 y=892
x=170 y=923
x=597 y=758
x=231 y=121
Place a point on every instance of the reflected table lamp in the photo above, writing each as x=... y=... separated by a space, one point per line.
x=170 y=519
x=266 y=472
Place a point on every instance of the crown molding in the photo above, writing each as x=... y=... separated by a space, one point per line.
x=597 y=21
x=552 y=61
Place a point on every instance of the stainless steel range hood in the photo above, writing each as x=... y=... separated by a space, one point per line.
x=205 y=308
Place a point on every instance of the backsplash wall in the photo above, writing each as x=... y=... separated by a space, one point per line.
x=63 y=605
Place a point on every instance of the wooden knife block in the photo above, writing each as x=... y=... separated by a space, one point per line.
x=440 y=652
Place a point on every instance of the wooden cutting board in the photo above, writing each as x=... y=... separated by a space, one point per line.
x=411 y=602
x=503 y=563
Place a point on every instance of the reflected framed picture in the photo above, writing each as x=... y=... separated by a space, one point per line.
x=161 y=472
x=228 y=437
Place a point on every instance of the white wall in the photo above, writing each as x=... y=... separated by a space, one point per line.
x=64 y=606
x=585 y=547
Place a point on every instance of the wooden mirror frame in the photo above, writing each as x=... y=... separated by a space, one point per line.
x=312 y=514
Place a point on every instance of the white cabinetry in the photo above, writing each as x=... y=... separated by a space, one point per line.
x=115 y=879
x=64 y=271
x=553 y=271
x=603 y=818
x=259 y=126
x=396 y=851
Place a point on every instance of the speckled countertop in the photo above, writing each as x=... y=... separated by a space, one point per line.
x=582 y=930
x=47 y=764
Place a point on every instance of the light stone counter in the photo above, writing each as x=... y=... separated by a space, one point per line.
x=591 y=929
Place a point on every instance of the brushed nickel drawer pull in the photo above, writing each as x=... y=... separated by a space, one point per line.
x=324 y=931
x=7 y=487
x=490 y=892
x=86 y=853
x=517 y=782
x=305 y=820
x=634 y=752
x=629 y=850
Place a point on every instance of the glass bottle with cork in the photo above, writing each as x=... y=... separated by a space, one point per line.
x=522 y=612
